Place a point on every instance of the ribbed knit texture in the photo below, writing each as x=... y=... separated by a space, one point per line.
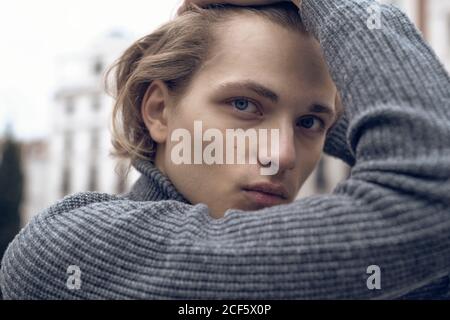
x=393 y=211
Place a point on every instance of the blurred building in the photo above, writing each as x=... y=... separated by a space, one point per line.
x=80 y=144
x=76 y=155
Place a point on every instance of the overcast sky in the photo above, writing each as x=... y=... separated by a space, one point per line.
x=34 y=33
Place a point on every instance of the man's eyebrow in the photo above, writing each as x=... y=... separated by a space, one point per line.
x=320 y=108
x=252 y=86
x=271 y=95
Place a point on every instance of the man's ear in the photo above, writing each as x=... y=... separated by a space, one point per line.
x=154 y=110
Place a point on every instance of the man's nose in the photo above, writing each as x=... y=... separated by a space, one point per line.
x=287 y=154
x=282 y=150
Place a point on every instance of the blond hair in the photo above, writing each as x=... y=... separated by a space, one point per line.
x=172 y=53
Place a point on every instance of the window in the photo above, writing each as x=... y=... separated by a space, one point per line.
x=320 y=178
x=66 y=173
x=98 y=66
x=93 y=170
x=92 y=185
x=96 y=102
x=66 y=180
x=95 y=141
x=67 y=144
x=121 y=178
x=70 y=105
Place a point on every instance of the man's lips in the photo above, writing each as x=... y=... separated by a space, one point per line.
x=266 y=193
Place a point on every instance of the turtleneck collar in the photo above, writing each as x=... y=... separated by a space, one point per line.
x=152 y=185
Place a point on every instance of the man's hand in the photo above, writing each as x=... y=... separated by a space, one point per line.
x=202 y=3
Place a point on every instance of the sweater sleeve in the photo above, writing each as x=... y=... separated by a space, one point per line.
x=393 y=211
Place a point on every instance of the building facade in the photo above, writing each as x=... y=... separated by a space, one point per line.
x=81 y=143
x=76 y=155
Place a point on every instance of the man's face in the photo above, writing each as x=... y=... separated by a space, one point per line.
x=258 y=76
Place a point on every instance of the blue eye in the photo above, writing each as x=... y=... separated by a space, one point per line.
x=244 y=105
x=308 y=122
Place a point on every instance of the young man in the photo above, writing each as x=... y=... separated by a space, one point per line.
x=392 y=215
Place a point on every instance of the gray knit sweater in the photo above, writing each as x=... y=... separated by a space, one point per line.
x=393 y=212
